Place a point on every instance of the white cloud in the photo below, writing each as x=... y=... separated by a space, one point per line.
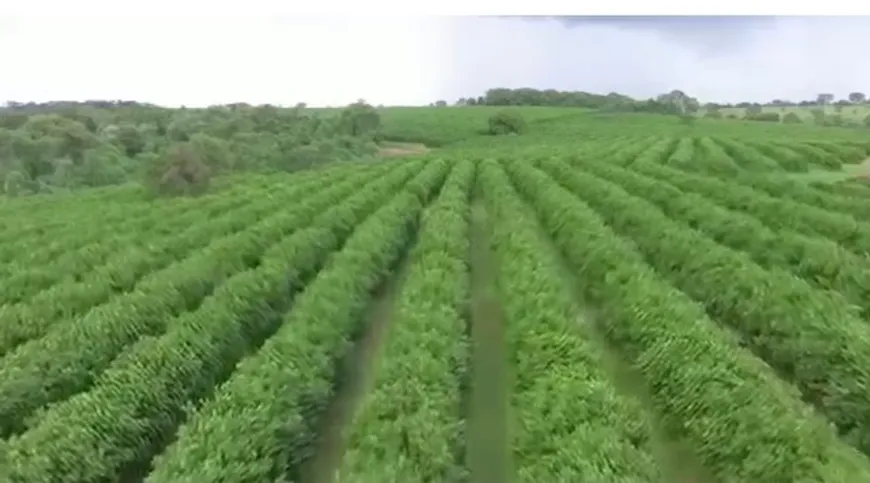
x=334 y=61
x=201 y=61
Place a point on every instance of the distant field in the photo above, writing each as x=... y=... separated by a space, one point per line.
x=857 y=113
x=605 y=298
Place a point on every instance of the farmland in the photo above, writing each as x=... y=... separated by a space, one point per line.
x=607 y=298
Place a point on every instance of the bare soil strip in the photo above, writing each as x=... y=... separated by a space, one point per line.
x=395 y=149
x=487 y=451
x=356 y=376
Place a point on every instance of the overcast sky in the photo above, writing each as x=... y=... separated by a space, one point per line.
x=334 y=61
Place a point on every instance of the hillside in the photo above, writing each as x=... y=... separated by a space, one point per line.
x=604 y=297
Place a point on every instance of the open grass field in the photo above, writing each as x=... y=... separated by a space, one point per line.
x=605 y=299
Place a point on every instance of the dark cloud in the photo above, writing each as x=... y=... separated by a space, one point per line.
x=710 y=35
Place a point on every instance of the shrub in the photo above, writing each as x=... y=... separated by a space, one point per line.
x=763 y=117
x=792 y=118
x=507 y=122
x=180 y=170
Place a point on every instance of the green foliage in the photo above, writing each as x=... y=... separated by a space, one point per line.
x=763 y=116
x=181 y=170
x=507 y=121
x=425 y=440
x=73 y=147
x=792 y=118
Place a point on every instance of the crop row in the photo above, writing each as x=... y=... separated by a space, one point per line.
x=68 y=357
x=85 y=238
x=570 y=423
x=263 y=418
x=423 y=361
x=777 y=213
x=707 y=390
x=73 y=297
x=113 y=428
x=818 y=261
x=811 y=337
x=29 y=276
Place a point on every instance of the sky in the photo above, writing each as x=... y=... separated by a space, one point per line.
x=418 y=60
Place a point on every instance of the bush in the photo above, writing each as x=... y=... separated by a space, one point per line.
x=792 y=118
x=507 y=122
x=763 y=117
x=180 y=170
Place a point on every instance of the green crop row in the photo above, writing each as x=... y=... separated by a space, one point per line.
x=96 y=435
x=27 y=279
x=569 y=422
x=777 y=213
x=811 y=337
x=263 y=418
x=749 y=158
x=424 y=358
x=782 y=187
x=847 y=154
x=73 y=297
x=815 y=155
x=711 y=158
x=66 y=359
x=788 y=159
x=683 y=154
x=853 y=189
x=743 y=423
x=658 y=152
x=818 y=261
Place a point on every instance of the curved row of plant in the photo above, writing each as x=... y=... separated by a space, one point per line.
x=68 y=357
x=815 y=155
x=851 y=188
x=683 y=155
x=788 y=159
x=782 y=187
x=108 y=216
x=569 y=422
x=141 y=398
x=87 y=227
x=262 y=420
x=847 y=153
x=743 y=423
x=711 y=158
x=658 y=152
x=776 y=213
x=424 y=360
x=748 y=157
x=28 y=277
x=811 y=337
x=818 y=261
x=75 y=296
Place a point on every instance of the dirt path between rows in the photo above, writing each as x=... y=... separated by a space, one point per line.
x=487 y=448
x=355 y=378
x=393 y=150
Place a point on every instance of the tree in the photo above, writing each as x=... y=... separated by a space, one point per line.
x=678 y=102
x=441 y=103
x=359 y=119
x=856 y=97
x=824 y=99
x=180 y=170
